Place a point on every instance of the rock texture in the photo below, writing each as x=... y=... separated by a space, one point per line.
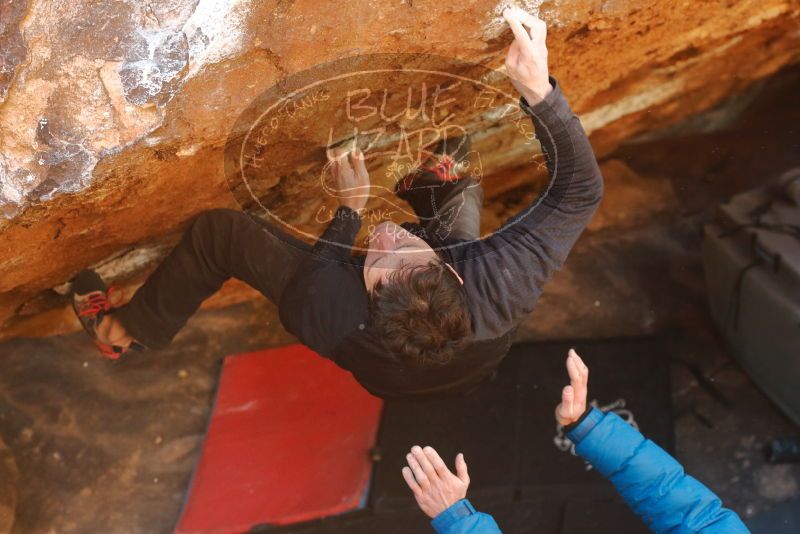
x=115 y=114
x=8 y=494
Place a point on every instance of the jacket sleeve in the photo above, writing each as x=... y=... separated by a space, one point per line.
x=320 y=300
x=651 y=481
x=533 y=244
x=461 y=518
x=336 y=241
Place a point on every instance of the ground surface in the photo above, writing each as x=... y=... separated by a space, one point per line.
x=104 y=447
x=109 y=447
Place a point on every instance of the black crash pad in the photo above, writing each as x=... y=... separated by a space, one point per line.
x=507 y=432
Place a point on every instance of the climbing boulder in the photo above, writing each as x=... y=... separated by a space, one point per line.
x=116 y=115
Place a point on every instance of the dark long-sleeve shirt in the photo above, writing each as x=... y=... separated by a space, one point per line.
x=325 y=304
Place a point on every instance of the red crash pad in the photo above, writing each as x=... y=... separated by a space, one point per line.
x=288 y=441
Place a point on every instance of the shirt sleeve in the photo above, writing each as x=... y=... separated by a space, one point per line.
x=462 y=518
x=324 y=300
x=533 y=244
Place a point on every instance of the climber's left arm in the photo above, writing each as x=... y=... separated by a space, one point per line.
x=533 y=244
x=544 y=232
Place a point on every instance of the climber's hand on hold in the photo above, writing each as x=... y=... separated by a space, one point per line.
x=526 y=62
x=350 y=177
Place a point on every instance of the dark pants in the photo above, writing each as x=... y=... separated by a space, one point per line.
x=221 y=244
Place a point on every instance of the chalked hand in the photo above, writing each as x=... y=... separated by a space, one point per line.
x=350 y=177
x=434 y=486
x=526 y=61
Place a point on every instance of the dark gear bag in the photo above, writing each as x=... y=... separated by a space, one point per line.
x=751 y=255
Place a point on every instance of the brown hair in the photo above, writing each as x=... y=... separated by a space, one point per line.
x=421 y=314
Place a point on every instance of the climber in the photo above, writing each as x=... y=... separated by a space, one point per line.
x=652 y=483
x=431 y=308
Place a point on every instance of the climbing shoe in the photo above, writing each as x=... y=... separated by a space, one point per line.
x=447 y=156
x=91 y=300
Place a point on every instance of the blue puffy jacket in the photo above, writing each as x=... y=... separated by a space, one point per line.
x=651 y=481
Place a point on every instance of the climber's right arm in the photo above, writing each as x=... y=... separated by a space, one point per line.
x=325 y=299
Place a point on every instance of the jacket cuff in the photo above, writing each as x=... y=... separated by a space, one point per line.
x=568 y=428
x=457 y=510
x=554 y=104
x=340 y=234
x=590 y=420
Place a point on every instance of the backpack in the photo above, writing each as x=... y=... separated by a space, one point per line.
x=751 y=258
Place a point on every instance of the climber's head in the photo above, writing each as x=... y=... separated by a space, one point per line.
x=392 y=247
x=417 y=302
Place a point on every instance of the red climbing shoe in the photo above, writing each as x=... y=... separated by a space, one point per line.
x=447 y=156
x=91 y=300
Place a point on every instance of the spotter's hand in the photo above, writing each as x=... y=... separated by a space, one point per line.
x=573 y=396
x=434 y=487
x=526 y=62
x=350 y=177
